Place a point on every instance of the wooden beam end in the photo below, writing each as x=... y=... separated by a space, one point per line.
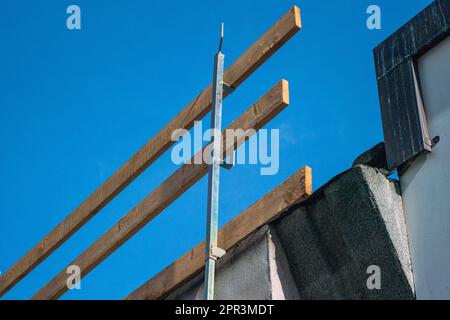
x=297 y=17
x=284 y=92
x=307 y=181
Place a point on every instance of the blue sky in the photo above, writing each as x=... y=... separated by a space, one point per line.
x=75 y=105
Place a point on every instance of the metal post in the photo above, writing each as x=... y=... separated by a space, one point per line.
x=212 y=251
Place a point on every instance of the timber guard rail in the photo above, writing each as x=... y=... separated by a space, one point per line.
x=295 y=189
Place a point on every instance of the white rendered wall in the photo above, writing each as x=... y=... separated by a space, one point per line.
x=426 y=184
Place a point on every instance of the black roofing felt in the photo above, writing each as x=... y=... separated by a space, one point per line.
x=404 y=116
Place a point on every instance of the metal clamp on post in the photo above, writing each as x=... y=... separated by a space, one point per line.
x=227 y=88
x=228 y=165
x=216 y=253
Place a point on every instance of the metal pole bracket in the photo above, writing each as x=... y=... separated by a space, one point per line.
x=227 y=88
x=216 y=253
x=228 y=165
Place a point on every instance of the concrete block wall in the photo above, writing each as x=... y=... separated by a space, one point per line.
x=255 y=269
x=322 y=248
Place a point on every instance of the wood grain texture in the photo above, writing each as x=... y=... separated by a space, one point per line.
x=294 y=189
x=240 y=70
x=253 y=118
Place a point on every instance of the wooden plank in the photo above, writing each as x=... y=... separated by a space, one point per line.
x=254 y=118
x=294 y=189
x=240 y=70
